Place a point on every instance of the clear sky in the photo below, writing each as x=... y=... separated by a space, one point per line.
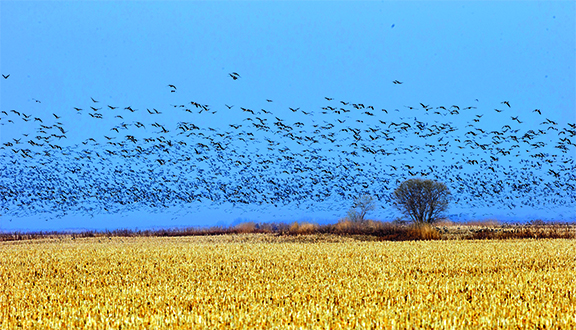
x=454 y=64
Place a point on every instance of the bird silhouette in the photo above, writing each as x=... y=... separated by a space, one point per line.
x=6 y=76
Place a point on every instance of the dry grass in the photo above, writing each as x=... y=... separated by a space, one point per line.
x=268 y=281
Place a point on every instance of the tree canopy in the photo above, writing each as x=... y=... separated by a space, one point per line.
x=423 y=201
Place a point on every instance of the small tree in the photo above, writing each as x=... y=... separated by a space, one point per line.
x=422 y=200
x=361 y=206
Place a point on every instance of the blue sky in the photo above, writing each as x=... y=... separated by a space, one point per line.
x=61 y=54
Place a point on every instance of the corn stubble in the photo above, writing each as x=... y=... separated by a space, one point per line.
x=263 y=281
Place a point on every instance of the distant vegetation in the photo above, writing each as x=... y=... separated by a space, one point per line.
x=364 y=230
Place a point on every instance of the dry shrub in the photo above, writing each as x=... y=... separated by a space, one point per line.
x=344 y=226
x=302 y=229
x=366 y=227
x=383 y=231
x=307 y=228
x=245 y=228
x=294 y=228
x=423 y=232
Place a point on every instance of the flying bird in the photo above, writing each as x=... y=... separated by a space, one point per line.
x=396 y=82
x=551 y=122
x=6 y=76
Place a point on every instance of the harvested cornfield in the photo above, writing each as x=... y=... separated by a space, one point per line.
x=266 y=281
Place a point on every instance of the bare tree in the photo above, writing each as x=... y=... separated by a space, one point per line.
x=422 y=200
x=362 y=205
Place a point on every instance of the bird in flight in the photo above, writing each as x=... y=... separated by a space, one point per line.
x=172 y=86
x=396 y=82
x=6 y=76
x=234 y=75
x=506 y=102
x=93 y=100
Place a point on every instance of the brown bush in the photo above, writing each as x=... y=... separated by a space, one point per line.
x=245 y=228
x=302 y=229
x=423 y=232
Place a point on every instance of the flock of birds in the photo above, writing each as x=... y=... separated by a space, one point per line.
x=292 y=156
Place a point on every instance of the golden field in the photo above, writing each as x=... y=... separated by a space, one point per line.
x=286 y=282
